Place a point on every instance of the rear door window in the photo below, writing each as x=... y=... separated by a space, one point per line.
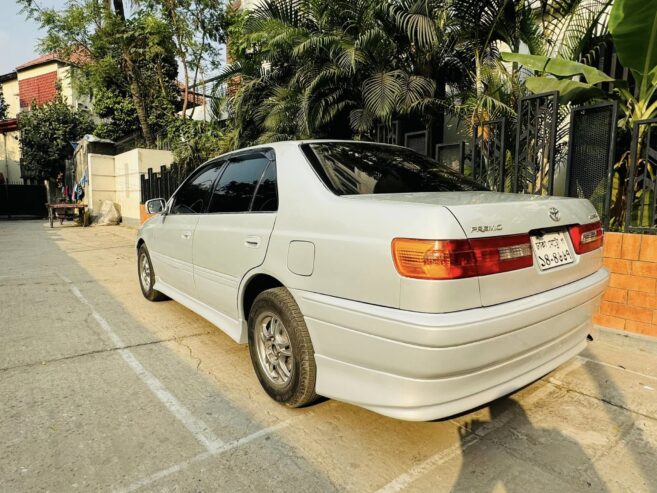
x=266 y=196
x=236 y=187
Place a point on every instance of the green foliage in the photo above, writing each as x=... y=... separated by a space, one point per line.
x=47 y=134
x=119 y=61
x=4 y=107
x=558 y=67
x=234 y=25
x=319 y=68
x=633 y=24
x=193 y=142
x=561 y=73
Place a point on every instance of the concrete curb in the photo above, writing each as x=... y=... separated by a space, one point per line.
x=624 y=339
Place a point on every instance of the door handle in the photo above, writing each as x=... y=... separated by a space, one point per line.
x=252 y=241
x=186 y=235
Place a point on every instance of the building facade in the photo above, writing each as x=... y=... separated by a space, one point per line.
x=34 y=82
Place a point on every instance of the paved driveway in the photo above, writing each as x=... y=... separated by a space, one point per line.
x=102 y=390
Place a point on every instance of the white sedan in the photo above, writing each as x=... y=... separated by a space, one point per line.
x=370 y=274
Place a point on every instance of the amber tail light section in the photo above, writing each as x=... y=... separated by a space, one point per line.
x=586 y=237
x=458 y=259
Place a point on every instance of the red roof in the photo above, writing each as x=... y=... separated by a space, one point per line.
x=50 y=57
x=77 y=57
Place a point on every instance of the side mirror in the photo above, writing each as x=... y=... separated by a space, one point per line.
x=155 y=206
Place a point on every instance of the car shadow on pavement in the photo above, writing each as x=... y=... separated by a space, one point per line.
x=517 y=456
x=641 y=452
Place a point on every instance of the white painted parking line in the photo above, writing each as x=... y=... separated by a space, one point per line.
x=445 y=455
x=198 y=428
x=205 y=455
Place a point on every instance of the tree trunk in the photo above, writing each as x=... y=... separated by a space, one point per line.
x=138 y=100
x=133 y=81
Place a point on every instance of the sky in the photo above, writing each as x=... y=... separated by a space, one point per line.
x=18 y=36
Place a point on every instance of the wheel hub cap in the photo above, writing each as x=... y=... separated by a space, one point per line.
x=274 y=349
x=145 y=273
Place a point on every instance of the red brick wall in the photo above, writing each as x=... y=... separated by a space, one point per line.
x=40 y=89
x=630 y=302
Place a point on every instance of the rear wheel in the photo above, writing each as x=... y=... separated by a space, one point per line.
x=281 y=350
x=147 y=276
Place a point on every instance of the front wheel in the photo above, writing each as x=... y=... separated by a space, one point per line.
x=147 y=276
x=281 y=350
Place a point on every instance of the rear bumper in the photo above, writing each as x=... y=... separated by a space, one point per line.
x=420 y=366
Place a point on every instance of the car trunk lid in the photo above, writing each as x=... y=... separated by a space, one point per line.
x=488 y=214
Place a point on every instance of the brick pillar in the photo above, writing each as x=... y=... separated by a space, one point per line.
x=630 y=302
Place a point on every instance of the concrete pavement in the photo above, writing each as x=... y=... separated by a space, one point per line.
x=103 y=390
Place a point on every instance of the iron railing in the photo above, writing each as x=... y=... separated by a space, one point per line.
x=160 y=184
x=641 y=191
x=489 y=153
x=533 y=170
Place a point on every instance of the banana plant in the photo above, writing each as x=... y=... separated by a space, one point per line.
x=633 y=26
x=558 y=74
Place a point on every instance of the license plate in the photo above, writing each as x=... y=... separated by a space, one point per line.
x=551 y=250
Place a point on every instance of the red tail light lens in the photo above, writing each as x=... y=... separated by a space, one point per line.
x=457 y=259
x=502 y=254
x=586 y=237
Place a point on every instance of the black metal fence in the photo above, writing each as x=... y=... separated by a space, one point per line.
x=452 y=155
x=23 y=200
x=489 y=153
x=161 y=184
x=591 y=150
x=641 y=188
x=536 y=135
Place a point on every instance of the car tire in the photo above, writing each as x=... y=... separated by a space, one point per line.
x=146 y=276
x=276 y=327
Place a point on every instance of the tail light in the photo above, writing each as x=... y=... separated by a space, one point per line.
x=586 y=237
x=457 y=259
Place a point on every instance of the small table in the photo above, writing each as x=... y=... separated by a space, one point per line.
x=59 y=211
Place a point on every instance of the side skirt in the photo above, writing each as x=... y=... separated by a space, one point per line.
x=233 y=328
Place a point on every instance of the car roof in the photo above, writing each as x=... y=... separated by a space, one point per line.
x=286 y=143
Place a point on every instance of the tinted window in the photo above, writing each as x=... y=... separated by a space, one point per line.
x=237 y=184
x=192 y=198
x=352 y=168
x=266 y=197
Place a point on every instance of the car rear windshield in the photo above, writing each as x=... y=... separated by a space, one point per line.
x=354 y=168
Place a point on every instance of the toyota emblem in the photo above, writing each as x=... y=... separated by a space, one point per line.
x=555 y=215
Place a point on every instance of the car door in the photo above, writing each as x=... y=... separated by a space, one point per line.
x=172 y=251
x=232 y=237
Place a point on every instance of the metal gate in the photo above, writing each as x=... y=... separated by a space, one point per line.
x=591 y=149
x=161 y=184
x=641 y=213
x=23 y=200
x=533 y=170
x=488 y=154
x=452 y=155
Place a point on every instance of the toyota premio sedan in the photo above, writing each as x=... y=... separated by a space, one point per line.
x=373 y=275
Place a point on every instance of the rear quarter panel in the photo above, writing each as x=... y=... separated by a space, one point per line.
x=352 y=240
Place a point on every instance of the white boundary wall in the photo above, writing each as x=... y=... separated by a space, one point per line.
x=117 y=178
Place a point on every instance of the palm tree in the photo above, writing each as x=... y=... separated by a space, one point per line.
x=338 y=68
